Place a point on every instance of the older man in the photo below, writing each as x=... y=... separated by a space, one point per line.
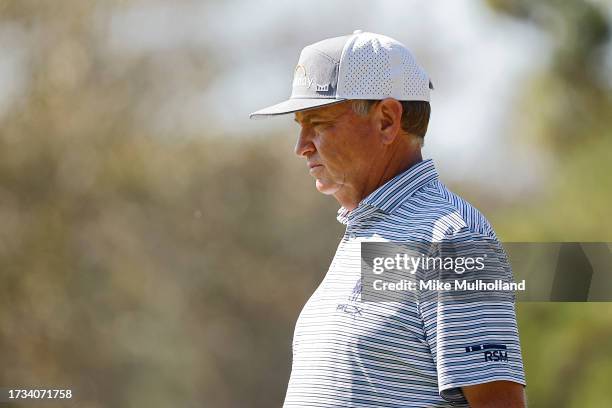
x=362 y=102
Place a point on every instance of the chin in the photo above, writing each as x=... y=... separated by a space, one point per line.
x=327 y=188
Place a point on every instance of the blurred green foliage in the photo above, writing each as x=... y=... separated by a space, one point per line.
x=567 y=348
x=150 y=271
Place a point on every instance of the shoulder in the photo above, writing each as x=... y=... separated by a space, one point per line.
x=437 y=209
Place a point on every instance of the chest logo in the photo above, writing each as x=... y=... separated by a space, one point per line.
x=352 y=307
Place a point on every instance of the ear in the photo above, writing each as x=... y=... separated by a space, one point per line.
x=389 y=116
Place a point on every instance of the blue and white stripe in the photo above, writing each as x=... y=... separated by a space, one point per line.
x=414 y=353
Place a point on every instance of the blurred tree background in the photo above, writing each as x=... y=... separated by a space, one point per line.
x=151 y=268
x=567 y=348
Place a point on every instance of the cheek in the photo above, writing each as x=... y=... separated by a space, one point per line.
x=353 y=149
x=336 y=148
x=326 y=148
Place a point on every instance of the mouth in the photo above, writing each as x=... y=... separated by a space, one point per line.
x=314 y=168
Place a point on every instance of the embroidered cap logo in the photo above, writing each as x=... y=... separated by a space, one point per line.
x=300 y=78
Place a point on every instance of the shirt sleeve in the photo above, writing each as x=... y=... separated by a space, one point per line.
x=472 y=330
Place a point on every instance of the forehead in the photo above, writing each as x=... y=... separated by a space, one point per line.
x=325 y=112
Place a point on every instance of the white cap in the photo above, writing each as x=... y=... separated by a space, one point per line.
x=362 y=65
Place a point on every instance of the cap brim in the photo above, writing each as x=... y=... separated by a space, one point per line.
x=293 y=105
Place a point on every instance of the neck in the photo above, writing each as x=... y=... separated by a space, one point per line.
x=396 y=162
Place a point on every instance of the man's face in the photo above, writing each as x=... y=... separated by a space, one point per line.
x=339 y=146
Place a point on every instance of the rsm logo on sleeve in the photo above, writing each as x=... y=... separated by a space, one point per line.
x=492 y=352
x=497 y=355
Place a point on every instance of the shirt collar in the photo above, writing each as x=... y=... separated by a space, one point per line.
x=394 y=192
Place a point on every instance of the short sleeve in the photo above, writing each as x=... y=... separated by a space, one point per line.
x=471 y=329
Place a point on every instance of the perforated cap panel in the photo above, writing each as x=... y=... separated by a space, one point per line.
x=373 y=66
x=358 y=66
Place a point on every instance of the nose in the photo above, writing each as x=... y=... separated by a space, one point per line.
x=304 y=146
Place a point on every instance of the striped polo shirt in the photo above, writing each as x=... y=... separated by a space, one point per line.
x=417 y=352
